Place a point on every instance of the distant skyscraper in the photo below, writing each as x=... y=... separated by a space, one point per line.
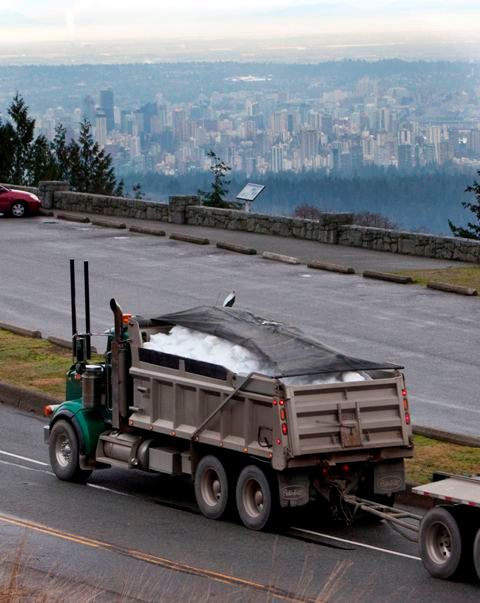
x=277 y=158
x=101 y=128
x=88 y=109
x=106 y=105
x=308 y=144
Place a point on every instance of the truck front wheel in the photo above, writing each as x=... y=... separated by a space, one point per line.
x=441 y=543
x=64 y=453
x=256 y=500
x=211 y=487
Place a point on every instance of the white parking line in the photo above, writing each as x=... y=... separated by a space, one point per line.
x=355 y=543
x=10 y=464
x=23 y=458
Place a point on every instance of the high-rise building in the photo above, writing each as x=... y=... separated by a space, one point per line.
x=88 y=109
x=101 y=128
x=308 y=144
x=277 y=158
x=106 y=105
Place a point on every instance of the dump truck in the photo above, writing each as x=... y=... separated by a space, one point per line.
x=259 y=443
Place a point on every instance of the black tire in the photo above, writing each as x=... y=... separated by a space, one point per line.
x=64 y=453
x=211 y=487
x=476 y=554
x=442 y=548
x=18 y=209
x=257 y=501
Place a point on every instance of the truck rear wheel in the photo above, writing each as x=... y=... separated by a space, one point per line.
x=256 y=501
x=64 y=453
x=211 y=487
x=476 y=554
x=441 y=543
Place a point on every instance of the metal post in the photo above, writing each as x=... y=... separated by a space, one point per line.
x=88 y=335
x=73 y=306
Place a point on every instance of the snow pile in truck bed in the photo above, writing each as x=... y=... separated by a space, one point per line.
x=209 y=348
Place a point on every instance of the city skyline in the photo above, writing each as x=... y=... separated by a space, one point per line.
x=23 y=21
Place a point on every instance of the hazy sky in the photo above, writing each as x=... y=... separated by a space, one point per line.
x=44 y=20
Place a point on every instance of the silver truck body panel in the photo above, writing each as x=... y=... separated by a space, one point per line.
x=357 y=420
x=456 y=489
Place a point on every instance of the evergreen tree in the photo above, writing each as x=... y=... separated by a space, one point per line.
x=91 y=169
x=23 y=127
x=216 y=196
x=473 y=230
x=41 y=162
x=62 y=153
x=7 y=150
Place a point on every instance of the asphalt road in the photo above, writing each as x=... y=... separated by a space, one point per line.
x=434 y=335
x=138 y=537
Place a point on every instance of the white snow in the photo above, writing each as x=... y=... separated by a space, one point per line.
x=209 y=348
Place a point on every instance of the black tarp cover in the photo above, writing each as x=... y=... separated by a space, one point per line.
x=288 y=350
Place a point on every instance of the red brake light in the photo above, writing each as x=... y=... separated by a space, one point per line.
x=279 y=441
x=407 y=418
x=281 y=402
x=404 y=393
x=274 y=402
x=346 y=468
x=283 y=414
x=284 y=428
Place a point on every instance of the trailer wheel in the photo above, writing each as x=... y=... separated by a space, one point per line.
x=476 y=554
x=211 y=487
x=64 y=453
x=256 y=501
x=441 y=544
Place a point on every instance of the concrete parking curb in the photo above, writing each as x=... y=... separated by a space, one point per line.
x=316 y=265
x=71 y=218
x=20 y=330
x=108 y=224
x=148 y=231
x=388 y=276
x=446 y=287
x=46 y=212
x=278 y=257
x=445 y=436
x=177 y=236
x=237 y=248
x=25 y=398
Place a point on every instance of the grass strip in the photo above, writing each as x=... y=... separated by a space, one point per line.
x=464 y=276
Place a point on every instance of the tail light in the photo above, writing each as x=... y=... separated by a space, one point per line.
x=284 y=428
x=49 y=409
x=406 y=410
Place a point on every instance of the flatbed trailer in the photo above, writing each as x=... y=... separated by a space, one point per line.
x=448 y=534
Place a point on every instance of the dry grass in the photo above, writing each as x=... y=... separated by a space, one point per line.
x=468 y=276
x=34 y=363
x=433 y=455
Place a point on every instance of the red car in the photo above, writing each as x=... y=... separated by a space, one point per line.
x=18 y=203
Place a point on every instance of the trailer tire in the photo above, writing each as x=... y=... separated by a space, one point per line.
x=211 y=487
x=257 y=503
x=441 y=544
x=476 y=554
x=64 y=453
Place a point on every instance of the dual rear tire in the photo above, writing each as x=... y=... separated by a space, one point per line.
x=250 y=492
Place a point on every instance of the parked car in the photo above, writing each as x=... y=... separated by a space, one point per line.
x=18 y=203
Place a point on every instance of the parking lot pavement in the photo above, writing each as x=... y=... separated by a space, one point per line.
x=358 y=258
x=435 y=335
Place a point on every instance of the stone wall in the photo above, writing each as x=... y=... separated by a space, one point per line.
x=410 y=243
x=336 y=228
x=111 y=206
x=324 y=230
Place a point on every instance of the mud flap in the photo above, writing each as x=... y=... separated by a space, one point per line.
x=389 y=477
x=293 y=489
